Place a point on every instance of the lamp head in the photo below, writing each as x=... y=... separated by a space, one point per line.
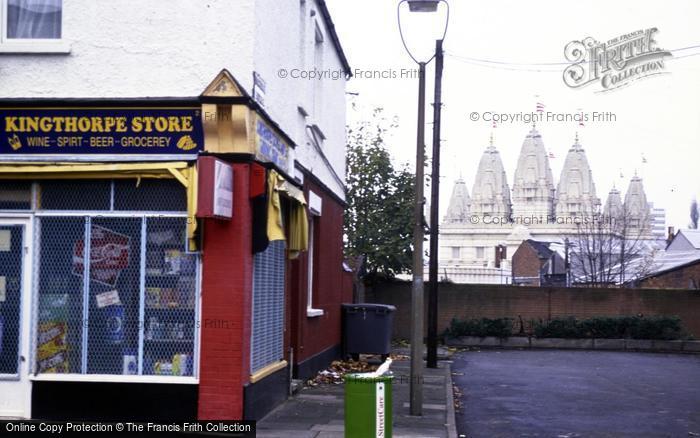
x=423 y=5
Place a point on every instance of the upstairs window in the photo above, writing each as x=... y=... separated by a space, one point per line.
x=34 y=19
x=32 y=26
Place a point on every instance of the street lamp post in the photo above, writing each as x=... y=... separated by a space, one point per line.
x=417 y=307
x=417 y=284
x=434 y=214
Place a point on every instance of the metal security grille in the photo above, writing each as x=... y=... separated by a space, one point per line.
x=74 y=195
x=15 y=195
x=10 y=297
x=268 y=306
x=169 y=306
x=60 y=311
x=164 y=195
x=116 y=290
x=149 y=195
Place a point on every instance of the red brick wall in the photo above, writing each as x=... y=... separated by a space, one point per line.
x=682 y=278
x=496 y=301
x=225 y=309
x=311 y=336
x=526 y=263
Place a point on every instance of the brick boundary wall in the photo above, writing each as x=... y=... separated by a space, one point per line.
x=497 y=301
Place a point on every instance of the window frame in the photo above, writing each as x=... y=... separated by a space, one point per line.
x=122 y=378
x=312 y=256
x=31 y=45
x=34 y=216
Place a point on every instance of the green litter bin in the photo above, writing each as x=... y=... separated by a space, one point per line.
x=368 y=406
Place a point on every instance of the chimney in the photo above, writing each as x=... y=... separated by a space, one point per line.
x=500 y=254
x=671 y=235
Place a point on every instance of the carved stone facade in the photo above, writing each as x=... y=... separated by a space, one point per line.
x=494 y=215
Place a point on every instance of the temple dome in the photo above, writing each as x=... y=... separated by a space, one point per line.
x=491 y=194
x=613 y=205
x=576 y=194
x=533 y=185
x=458 y=209
x=636 y=205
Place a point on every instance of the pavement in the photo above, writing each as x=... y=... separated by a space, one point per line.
x=559 y=393
x=318 y=411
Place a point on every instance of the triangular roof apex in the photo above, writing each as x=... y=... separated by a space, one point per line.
x=224 y=85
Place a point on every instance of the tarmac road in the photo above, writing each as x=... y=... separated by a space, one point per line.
x=559 y=393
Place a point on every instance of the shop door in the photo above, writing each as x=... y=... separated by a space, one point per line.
x=15 y=304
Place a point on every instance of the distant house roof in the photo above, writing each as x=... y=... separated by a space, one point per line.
x=667 y=261
x=334 y=36
x=692 y=236
x=542 y=248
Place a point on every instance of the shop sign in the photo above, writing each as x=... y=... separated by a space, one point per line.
x=109 y=255
x=259 y=87
x=270 y=146
x=215 y=186
x=116 y=131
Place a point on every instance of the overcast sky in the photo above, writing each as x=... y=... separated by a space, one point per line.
x=501 y=54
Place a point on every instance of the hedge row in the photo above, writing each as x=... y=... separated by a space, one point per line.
x=614 y=327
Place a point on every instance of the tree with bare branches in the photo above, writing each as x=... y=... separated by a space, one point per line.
x=611 y=248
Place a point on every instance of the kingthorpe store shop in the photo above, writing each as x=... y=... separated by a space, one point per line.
x=143 y=251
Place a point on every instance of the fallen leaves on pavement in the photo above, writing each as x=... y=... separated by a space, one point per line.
x=333 y=375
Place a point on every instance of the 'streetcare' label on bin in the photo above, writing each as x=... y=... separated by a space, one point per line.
x=380 y=411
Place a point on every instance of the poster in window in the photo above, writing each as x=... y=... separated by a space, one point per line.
x=109 y=255
x=52 y=334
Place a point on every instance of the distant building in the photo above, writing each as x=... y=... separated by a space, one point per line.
x=685 y=240
x=674 y=270
x=535 y=208
x=677 y=267
x=658 y=222
x=538 y=264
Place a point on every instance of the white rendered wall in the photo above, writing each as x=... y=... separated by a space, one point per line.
x=134 y=48
x=287 y=29
x=175 y=48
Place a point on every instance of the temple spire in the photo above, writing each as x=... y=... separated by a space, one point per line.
x=458 y=209
x=533 y=186
x=636 y=205
x=491 y=193
x=576 y=194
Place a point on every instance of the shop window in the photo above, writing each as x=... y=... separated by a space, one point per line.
x=170 y=299
x=166 y=195
x=15 y=195
x=74 y=195
x=267 y=337
x=149 y=195
x=10 y=299
x=129 y=311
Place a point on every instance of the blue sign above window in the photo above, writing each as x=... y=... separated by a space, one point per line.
x=172 y=131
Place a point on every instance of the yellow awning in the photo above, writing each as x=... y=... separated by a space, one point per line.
x=184 y=172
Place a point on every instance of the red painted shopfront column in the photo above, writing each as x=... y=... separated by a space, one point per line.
x=227 y=274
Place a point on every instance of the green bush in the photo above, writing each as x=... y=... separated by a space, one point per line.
x=634 y=327
x=558 y=328
x=499 y=327
x=657 y=327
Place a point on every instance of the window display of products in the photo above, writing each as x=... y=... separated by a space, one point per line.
x=116 y=295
